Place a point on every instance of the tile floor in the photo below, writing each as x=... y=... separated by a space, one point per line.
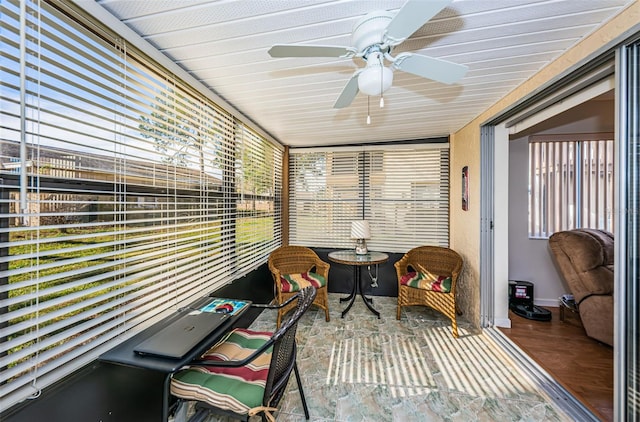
x=361 y=368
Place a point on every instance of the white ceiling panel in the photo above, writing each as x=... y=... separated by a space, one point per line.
x=224 y=44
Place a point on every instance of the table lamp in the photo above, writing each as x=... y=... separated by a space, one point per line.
x=360 y=232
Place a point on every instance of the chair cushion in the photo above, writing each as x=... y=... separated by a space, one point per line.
x=427 y=281
x=235 y=389
x=295 y=282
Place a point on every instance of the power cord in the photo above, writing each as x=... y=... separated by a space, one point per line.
x=374 y=280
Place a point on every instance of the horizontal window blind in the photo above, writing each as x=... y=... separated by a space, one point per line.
x=571 y=183
x=403 y=191
x=408 y=197
x=259 y=189
x=119 y=197
x=324 y=197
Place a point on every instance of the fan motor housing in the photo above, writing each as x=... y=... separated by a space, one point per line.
x=369 y=30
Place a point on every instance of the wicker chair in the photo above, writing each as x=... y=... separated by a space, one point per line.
x=292 y=268
x=246 y=374
x=427 y=275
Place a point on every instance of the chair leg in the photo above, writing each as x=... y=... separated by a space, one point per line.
x=454 y=327
x=322 y=300
x=200 y=416
x=304 y=401
x=179 y=410
x=278 y=319
x=398 y=311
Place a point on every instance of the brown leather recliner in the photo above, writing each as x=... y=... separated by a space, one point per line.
x=584 y=258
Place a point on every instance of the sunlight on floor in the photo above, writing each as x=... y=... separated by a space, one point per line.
x=361 y=368
x=400 y=365
x=475 y=365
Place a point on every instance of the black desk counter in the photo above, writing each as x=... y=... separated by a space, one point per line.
x=123 y=354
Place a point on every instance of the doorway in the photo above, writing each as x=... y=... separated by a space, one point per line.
x=535 y=111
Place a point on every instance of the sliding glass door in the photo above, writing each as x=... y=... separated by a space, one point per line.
x=627 y=319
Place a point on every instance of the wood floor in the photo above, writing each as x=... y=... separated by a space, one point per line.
x=580 y=364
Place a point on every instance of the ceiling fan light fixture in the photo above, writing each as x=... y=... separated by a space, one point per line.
x=373 y=81
x=374 y=37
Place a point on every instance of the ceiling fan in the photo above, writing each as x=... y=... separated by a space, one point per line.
x=373 y=38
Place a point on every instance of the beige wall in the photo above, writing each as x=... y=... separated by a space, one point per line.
x=465 y=151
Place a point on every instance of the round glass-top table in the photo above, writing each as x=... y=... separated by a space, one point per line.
x=349 y=257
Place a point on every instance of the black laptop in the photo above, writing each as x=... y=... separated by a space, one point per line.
x=182 y=335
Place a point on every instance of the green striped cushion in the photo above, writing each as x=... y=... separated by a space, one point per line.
x=236 y=389
x=427 y=281
x=296 y=282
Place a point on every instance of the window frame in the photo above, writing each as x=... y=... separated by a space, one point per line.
x=568 y=197
x=173 y=205
x=376 y=183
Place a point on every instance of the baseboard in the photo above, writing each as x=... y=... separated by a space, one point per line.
x=553 y=303
x=502 y=322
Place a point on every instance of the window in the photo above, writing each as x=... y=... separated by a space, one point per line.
x=570 y=183
x=258 y=205
x=124 y=193
x=402 y=190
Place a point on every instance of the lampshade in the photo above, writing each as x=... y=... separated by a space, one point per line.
x=375 y=78
x=360 y=230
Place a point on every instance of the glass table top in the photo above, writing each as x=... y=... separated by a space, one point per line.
x=351 y=258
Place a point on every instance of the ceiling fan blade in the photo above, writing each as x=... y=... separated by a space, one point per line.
x=410 y=17
x=291 y=50
x=349 y=91
x=429 y=67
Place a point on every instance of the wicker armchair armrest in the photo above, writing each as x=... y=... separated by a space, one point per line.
x=322 y=268
x=401 y=266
